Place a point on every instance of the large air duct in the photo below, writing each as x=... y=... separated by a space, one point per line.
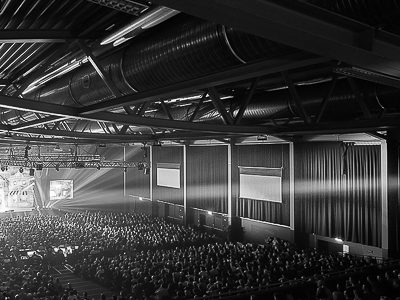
x=185 y=48
x=182 y=49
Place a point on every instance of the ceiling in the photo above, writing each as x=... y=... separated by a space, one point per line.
x=122 y=71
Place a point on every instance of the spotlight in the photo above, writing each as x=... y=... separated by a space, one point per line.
x=339 y=240
x=21 y=170
x=3 y=168
x=31 y=172
x=57 y=167
x=98 y=167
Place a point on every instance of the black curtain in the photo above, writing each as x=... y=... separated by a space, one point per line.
x=137 y=183
x=337 y=191
x=207 y=178
x=269 y=156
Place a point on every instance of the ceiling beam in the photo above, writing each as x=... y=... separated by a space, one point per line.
x=243 y=72
x=37 y=122
x=339 y=127
x=35 y=36
x=304 y=27
x=72 y=112
x=38 y=107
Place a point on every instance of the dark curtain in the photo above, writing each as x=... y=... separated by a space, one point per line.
x=269 y=156
x=137 y=183
x=207 y=178
x=337 y=191
x=167 y=154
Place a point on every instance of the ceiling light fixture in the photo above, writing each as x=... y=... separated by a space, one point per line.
x=54 y=74
x=145 y=21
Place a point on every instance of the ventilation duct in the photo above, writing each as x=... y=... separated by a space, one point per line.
x=183 y=48
x=186 y=48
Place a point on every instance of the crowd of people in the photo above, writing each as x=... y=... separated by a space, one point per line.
x=142 y=257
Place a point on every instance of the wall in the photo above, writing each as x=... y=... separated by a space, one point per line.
x=167 y=154
x=269 y=156
x=257 y=231
x=207 y=177
x=338 y=191
x=137 y=183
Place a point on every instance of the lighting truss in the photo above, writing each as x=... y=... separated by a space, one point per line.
x=67 y=161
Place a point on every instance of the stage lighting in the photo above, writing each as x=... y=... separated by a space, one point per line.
x=140 y=166
x=125 y=169
x=144 y=152
x=98 y=167
x=39 y=167
x=31 y=172
x=21 y=170
x=27 y=148
x=57 y=167
x=3 y=168
x=8 y=134
x=146 y=171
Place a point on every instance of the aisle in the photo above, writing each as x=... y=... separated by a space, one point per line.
x=81 y=285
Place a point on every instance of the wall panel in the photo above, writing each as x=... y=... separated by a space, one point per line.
x=269 y=156
x=207 y=177
x=167 y=154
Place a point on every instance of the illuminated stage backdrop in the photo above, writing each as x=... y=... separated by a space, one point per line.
x=16 y=190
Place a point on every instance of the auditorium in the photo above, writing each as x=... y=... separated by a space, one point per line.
x=187 y=149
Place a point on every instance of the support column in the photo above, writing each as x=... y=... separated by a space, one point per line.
x=391 y=204
x=184 y=185
x=151 y=173
x=291 y=184
x=384 y=197
x=124 y=175
x=230 y=212
x=153 y=207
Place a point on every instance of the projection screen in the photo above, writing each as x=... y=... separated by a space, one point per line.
x=261 y=183
x=169 y=175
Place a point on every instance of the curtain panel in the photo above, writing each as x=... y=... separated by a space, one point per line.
x=207 y=178
x=268 y=156
x=167 y=154
x=337 y=191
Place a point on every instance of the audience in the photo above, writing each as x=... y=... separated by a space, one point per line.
x=141 y=257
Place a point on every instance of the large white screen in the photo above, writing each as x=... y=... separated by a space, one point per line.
x=261 y=187
x=169 y=178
